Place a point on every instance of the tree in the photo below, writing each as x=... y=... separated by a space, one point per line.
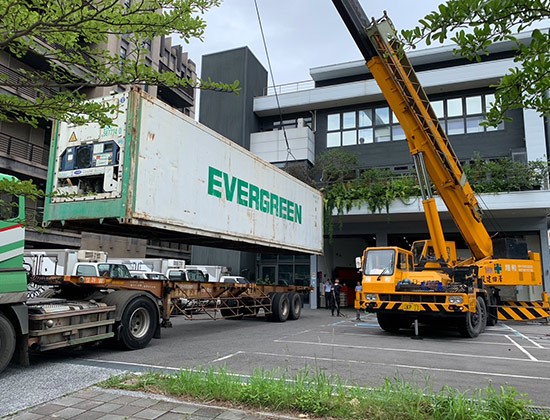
x=67 y=39
x=476 y=24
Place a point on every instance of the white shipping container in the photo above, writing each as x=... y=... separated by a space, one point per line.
x=163 y=172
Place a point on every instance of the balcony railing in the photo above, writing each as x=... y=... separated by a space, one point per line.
x=21 y=149
x=289 y=88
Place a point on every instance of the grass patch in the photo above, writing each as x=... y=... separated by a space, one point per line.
x=321 y=395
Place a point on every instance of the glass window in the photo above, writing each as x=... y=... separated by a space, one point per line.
x=437 y=106
x=348 y=119
x=398 y=133
x=473 y=124
x=365 y=117
x=473 y=105
x=489 y=101
x=365 y=136
x=454 y=107
x=382 y=134
x=382 y=116
x=333 y=122
x=333 y=139
x=379 y=262
x=349 y=138
x=455 y=126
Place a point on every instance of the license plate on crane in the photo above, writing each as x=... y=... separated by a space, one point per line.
x=411 y=307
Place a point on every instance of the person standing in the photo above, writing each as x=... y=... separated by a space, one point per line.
x=335 y=297
x=328 y=296
x=358 y=288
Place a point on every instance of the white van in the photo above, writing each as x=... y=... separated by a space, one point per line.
x=234 y=280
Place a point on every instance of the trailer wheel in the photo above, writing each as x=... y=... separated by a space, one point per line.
x=295 y=301
x=138 y=323
x=473 y=324
x=280 y=307
x=7 y=342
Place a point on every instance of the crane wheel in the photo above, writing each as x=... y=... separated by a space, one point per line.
x=7 y=342
x=474 y=324
x=389 y=322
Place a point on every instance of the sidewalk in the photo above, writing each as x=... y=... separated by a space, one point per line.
x=111 y=404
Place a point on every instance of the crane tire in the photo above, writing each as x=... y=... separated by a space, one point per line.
x=7 y=342
x=471 y=325
x=295 y=302
x=389 y=322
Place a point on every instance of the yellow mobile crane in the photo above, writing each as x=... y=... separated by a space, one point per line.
x=403 y=286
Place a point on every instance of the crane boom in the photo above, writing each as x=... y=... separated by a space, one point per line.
x=426 y=138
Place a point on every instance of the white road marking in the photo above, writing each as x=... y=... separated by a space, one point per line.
x=478 y=356
x=360 y=362
x=516 y=332
x=226 y=357
x=529 y=355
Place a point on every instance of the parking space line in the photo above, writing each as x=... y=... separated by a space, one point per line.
x=226 y=357
x=361 y=362
x=516 y=332
x=478 y=356
x=529 y=355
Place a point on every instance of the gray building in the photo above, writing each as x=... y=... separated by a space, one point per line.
x=343 y=108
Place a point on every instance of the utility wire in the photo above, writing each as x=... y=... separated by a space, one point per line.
x=288 y=150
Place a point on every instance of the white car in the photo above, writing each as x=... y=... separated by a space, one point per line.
x=234 y=279
x=148 y=275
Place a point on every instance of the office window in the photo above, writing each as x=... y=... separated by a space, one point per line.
x=460 y=115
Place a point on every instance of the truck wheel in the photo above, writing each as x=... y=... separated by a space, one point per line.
x=7 y=342
x=295 y=301
x=280 y=307
x=389 y=322
x=473 y=324
x=138 y=323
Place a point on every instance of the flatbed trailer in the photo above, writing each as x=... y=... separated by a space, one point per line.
x=133 y=310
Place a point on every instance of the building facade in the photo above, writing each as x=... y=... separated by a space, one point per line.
x=342 y=108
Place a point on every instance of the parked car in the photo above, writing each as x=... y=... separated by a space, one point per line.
x=148 y=275
x=234 y=279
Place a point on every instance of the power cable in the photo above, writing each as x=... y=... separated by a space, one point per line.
x=288 y=150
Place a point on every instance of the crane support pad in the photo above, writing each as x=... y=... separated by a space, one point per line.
x=523 y=311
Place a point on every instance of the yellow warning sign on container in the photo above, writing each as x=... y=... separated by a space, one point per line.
x=73 y=137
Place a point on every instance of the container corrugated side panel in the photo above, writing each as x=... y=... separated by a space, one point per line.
x=194 y=180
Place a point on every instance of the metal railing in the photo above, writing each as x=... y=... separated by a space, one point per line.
x=289 y=88
x=21 y=149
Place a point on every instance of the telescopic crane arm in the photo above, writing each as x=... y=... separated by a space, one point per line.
x=427 y=141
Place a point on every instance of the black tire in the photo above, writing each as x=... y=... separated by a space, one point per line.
x=138 y=323
x=280 y=307
x=492 y=311
x=389 y=322
x=269 y=316
x=295 y=302
x=473 y=324
x=48 y=293
x=232 y=310
x=7 y=342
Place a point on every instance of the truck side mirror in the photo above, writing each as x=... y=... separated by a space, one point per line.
x=357 y=262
